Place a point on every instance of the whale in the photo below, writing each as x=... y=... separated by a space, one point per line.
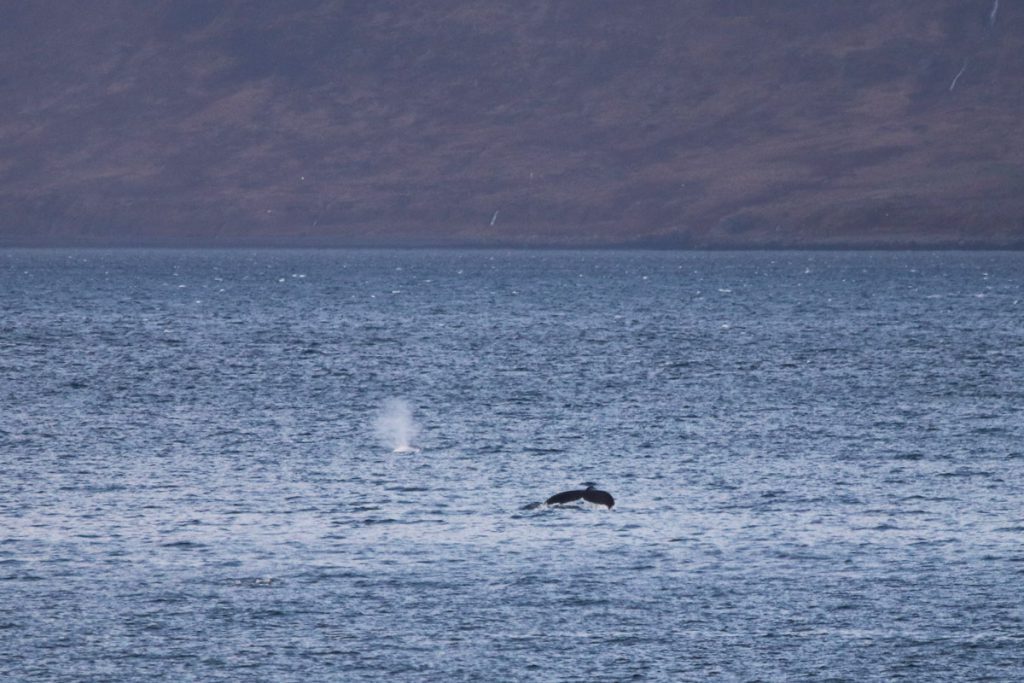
x=589 y=494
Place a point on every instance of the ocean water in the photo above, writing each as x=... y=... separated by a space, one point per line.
x=817 y=460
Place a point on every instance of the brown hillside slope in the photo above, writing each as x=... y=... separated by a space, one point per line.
x=722 y=123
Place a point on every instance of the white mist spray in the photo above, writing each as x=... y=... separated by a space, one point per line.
x=395 y=426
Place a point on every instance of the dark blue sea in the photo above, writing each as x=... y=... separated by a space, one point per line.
x=817 y=461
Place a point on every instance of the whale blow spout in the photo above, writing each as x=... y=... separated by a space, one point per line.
x=589 y=494
x=396 y=427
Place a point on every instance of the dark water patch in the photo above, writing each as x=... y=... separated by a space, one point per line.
x=369 y=521
x=329 y=575
x=24 y=577
x=184 y=545
x=934 y=499
x=991 y=430
x=913 y=456
x=542 y=450
x=94 y=488
x=802 y=555
x=967 y=472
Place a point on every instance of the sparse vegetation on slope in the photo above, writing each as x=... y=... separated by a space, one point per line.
x=720 y=123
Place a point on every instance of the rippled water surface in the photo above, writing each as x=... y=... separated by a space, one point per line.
x=818 y=463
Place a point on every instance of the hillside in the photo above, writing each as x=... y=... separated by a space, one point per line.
x=707 y=123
